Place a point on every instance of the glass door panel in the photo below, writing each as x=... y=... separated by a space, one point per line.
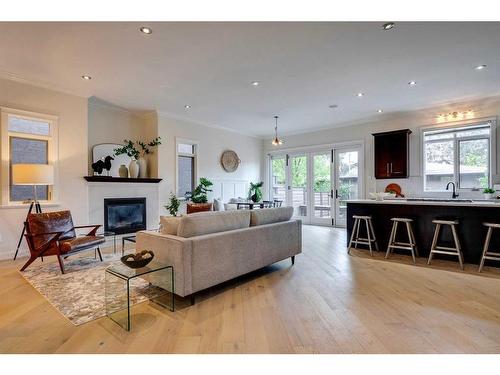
x=321 y=188
x=347 y=181
x=298 y=186
x=278 y=178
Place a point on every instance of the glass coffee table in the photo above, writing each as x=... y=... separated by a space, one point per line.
x=125 y=285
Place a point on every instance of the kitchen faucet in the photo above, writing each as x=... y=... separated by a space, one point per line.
x=454 y=194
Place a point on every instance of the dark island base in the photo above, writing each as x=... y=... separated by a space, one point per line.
x=471 y=232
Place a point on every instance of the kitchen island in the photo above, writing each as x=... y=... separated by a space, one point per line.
x=471 y=215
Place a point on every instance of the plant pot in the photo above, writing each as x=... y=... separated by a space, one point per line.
x=123 y=171
x=488 y=195
x=133 y=169
x=143 y=167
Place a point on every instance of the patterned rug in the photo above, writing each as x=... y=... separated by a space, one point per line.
x=79 y=294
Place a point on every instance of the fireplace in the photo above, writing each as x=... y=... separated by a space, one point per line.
x=124 y=215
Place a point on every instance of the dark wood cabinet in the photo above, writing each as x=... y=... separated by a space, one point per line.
x=392 y=154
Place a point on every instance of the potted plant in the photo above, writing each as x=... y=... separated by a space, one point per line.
x=488 y=193
x=255 y=192
x=173 y=206
x=146 y=149
x=129 y=149
x=137 y=151
x=199 y=197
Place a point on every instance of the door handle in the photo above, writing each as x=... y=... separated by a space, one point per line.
x=331 y=193
x=391 y=167
x=387 y=168
x=336 y=194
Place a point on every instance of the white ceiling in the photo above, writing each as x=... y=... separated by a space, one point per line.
x=302 y=68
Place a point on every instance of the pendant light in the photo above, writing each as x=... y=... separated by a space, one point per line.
x=276 y=141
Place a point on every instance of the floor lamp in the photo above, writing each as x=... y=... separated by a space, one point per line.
x=32 y=175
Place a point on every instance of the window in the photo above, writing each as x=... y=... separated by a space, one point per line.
x=186 y=167
x=460 y=154
x=26 y=138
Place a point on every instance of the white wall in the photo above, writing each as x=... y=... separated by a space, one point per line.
x=110 y=124
x=412 y=186
x=212 y=142
x=72 y=149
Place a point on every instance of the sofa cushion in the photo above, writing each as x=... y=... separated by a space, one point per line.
x=213 y=222
x=169 y=224
x=270 y=215
x=80 y=243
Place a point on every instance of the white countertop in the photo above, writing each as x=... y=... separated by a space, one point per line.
x=402 y=201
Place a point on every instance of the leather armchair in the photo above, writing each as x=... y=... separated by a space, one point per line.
x=53 y=233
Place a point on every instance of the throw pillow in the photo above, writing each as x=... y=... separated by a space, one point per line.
x=169 y=224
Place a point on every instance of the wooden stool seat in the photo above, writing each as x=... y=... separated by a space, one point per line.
x=445 y=222
x=435 y=249
x=393 y=244
x=492 y=225
x=362 y=217
x=402 y=219
x=487 y=254
x=370 y=233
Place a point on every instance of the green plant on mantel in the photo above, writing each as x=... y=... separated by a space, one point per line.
x=173 y=205
x=489 y=191
x=199 y=194
x=146 y=148
x=138 y=148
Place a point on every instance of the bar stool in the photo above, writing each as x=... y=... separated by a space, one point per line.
x=435 y=249
x=369 y=232
x=393 y=244
x=488 y=254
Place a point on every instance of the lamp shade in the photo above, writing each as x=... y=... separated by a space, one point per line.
x=32 y=174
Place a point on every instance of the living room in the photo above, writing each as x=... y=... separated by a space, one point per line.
x=261 y=187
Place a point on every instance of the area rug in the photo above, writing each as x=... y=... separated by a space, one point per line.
x=79 y=294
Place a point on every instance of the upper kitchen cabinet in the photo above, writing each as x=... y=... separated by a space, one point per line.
x=392 y=154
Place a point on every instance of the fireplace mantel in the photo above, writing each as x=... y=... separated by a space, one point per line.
x=122 y=179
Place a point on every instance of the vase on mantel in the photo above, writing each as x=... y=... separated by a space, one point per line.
x=143 y=167
x=123 y=171
x=133 y=169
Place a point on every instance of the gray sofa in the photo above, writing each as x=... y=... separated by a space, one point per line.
x=207 y=249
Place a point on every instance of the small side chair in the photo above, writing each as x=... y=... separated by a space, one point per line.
x=53 y=233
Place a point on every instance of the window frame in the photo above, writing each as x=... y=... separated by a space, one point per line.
x=193 y=155
x=52 y=150
x=456 y=149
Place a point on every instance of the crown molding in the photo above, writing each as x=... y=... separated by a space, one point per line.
x=37 y=83
x=208 y=125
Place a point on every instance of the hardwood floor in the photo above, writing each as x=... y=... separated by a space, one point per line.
x=328 y=302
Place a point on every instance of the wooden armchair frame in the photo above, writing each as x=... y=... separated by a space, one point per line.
x=54 y=243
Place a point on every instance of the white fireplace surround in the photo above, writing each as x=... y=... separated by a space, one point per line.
x=98 y=191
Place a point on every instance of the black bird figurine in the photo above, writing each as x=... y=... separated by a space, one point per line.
x=100 y=165
x=107 y=163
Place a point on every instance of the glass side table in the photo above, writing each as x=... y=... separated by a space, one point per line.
x=131 y=238
x=123 y=284
x=109 y=234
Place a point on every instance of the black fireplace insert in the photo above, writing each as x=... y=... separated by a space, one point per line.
x=124 y=215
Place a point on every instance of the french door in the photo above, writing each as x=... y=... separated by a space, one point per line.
x=317 y=183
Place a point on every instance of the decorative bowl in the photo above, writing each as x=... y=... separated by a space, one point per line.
x=138 y=260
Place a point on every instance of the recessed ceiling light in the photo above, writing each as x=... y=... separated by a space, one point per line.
x=380 y=111
x=333 y=106
x=187 y=106
x=480 y=67
x=255 y=83
x=360 y=94
x=86 y=78
x=388 y=25
x=146 y=30
x=412 y=83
